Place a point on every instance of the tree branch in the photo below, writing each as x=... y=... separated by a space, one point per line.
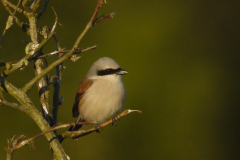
x=80 y=133
x=43 y=9
x=74 y=135
x=102 y=18
x=19 y=1
x=78 y=51
x=89 y=25
x=26 y=6
x=34 y=49
x=1 y=94
x=57 y=85
x=20 y=63
x=29 y=85
x=11 y=105
x=35 y=5
x=42 y=84
x=19 y=10
x=10 y=18
x=30 y=110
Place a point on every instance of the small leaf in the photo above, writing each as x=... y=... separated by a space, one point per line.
x=9 y=22
x=28 y=48
x=24 y=63
x=44 y=32
x=74 y=58
x=8 y=66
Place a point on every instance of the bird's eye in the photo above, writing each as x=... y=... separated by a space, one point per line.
x=107 y=71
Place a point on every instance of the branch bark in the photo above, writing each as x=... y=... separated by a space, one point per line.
x=30 y=110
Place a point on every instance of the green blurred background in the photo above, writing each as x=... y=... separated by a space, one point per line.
x=183 y=63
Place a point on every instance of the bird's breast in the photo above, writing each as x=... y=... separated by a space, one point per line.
x=102 y=100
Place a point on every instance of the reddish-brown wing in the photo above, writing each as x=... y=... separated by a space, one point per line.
x=83 y=87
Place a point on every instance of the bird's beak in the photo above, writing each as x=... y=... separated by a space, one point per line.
x=122 y=72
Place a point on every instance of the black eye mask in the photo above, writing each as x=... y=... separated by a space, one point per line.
x=108 y=71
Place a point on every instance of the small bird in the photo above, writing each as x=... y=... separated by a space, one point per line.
x=101 y=93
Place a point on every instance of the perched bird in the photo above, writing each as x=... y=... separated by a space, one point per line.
x=101 y=93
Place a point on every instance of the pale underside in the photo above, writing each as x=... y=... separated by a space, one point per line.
x=102 y=99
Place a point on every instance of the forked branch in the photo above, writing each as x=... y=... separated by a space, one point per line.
x=67 y=56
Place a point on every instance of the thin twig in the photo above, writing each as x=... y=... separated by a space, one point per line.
x=19 y=10
x=100 y=2
x=80 y=133
x=29 y=85
x=43 y=9
x=102 y=18
x=68 y=134
x=18 y=143
x=28 y=56
x=11 y=105
x=35 y=5
x=1 y=96
x=89 y=25
x=16 y=7
x=56 y=20
x=10 y=19
x=66 y=51
x=57 y=86
x=2 y=63
x=9 y=156
x=33 y=52
x=26 y=6
x=78 y=51
x=57 y=44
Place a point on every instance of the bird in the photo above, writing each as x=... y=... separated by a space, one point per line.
x=101 y=94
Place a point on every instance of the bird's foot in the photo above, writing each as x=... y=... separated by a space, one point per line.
x=97 y=127
x=114 y=120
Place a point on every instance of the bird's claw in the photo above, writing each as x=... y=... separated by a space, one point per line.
x=114 y=120
x=97 y=127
